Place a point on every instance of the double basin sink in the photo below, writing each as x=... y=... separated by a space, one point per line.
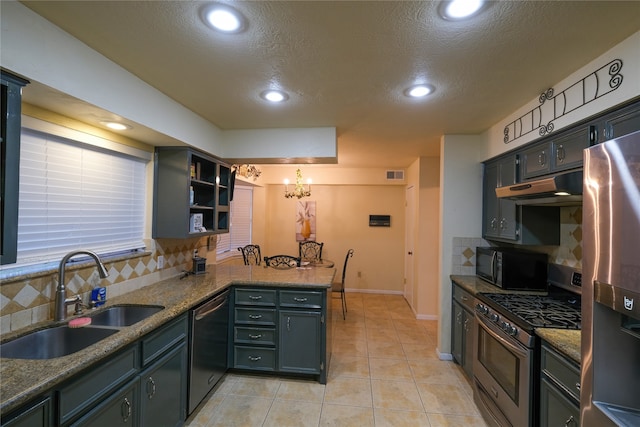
x=62 y=340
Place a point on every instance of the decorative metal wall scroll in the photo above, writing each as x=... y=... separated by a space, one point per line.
x=575 y=96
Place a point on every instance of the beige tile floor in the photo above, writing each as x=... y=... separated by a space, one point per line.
x=384 y=372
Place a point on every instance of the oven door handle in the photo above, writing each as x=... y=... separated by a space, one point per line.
x=494 y=273
x=507 y=343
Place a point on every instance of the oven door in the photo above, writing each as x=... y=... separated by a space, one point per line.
x=502 y=368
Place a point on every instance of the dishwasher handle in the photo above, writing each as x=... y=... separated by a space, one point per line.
x=210 y=307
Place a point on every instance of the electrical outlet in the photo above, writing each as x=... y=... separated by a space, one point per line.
x=359 y=273
x=160 y=262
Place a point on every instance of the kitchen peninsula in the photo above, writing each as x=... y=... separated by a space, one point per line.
x=24 y=380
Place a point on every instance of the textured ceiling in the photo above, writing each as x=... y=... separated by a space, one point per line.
x=346 y=63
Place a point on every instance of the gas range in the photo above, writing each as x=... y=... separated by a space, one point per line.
x=518 y=314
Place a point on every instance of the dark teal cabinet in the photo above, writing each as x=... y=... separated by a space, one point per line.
x=10 y=122
x=117 y=410
x=300 y=341
x=163 y=390
x=35 y=414
x=621 y=122
x=191 y=194
x=463 y=306
x=499 y=215
x=559 y=389
x=281 y=330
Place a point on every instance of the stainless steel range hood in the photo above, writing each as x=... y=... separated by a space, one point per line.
x=563 y=189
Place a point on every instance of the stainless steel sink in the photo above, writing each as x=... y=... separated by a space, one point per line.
x=53 y=342
x=124 y=315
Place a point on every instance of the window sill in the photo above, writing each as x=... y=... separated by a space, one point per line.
x=18 y=274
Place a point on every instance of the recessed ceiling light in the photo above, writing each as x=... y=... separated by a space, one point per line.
x=418 y=91
x=116 y=125
x=455 y=10
x=274 y=96
x=223 y=18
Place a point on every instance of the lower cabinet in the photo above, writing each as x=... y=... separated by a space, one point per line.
x=300 y=339
x=35 y=414
x=142 y=385
x=280 y=330
x=559 y=389
x=163 y=390
x=462 y=329
x=118 y=410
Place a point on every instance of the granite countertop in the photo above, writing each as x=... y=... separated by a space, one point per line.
x=23 y=380
x=566 y=341
x=474 y=285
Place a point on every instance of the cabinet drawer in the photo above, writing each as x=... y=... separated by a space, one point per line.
x=254 y=336
x=561 y=371
x=93 y=385
x=536 y=161
x=302 y=299
x=255 y=316
x=261 y=297
x=464 y=298
x=257 y=358
x=556 y=409
x=162 y=340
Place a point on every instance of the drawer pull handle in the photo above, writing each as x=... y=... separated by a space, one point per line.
x=255 y=337
x=255 y=358
x=255 y=316
x=495 y=392
x=125 y=410
x=570 y=422
x=152 y=383
x=578 y=386
x=297 y=299
x=255 y=298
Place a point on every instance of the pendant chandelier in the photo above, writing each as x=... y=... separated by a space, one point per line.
x=299 y=190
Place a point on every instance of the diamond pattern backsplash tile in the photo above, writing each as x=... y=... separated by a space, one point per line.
x=37 y=294
x=569 y=252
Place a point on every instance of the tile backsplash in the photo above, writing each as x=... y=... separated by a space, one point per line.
x=569 y=252
x=29 y=299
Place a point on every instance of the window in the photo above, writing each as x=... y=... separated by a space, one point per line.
x=77 y=196
x=240 y=226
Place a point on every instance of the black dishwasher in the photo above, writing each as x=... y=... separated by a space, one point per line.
x=208 y=352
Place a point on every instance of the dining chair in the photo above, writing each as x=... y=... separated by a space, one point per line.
x=251 y=254
x=339 y=286
x=310 y=250
x=282 y=262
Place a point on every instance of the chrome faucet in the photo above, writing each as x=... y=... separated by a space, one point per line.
x=61 y=293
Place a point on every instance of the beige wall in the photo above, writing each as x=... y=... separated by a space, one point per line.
x=342 y=223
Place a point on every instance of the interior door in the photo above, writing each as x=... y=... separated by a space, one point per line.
x=409 y=245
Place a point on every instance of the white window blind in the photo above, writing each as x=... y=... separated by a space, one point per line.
x=75 y=197
x=240 y=225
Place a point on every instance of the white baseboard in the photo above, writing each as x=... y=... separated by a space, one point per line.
x=427 y=317
x=373 y=291
x=444 y=356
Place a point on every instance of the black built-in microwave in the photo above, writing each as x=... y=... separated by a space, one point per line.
x=513 y=269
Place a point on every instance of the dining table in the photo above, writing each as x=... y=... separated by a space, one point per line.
x=323 y=262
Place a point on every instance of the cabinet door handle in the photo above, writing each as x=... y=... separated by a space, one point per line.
x=255 y=297
x=503 y=224
x=298 y=299
x=570 y=422
x=255 y=316
x=578 y=386
x=125 y=410
x=288 y=323
x=494 y=222
x=152 y=383
x=542 y=158
x=560 y=154
x=255 y=337
x=255 y=358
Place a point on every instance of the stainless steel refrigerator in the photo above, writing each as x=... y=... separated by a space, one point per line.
x=610 y=383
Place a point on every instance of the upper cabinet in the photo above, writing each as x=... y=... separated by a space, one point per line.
x=10 y=169
x=499 y=215
x=621 y=122
x=191 y=194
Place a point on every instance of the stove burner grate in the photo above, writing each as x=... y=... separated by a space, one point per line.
x=551 y=311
